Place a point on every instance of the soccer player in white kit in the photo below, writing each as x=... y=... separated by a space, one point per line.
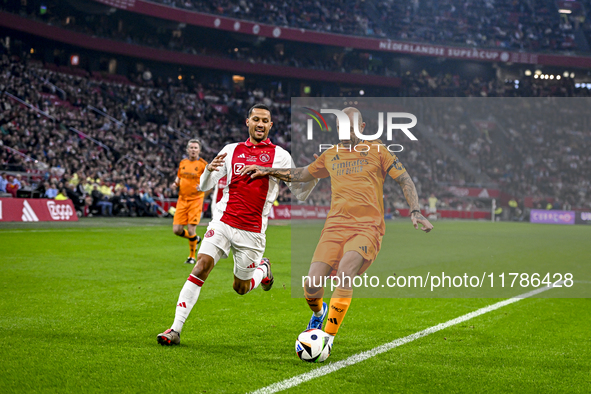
x=239 y=219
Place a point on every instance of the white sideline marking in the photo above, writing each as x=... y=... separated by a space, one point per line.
x=356 y=358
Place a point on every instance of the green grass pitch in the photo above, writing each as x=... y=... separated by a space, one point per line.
x=80 y=307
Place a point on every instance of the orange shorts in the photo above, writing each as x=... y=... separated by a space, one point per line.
x=334 y=244
x=188 y=212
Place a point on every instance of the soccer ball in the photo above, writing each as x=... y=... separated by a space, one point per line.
x=313 y=346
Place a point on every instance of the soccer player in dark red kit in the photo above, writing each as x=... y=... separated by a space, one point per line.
x=239 y=218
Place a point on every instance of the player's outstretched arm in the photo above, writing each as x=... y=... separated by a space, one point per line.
x=300 y=174
x=412 y=198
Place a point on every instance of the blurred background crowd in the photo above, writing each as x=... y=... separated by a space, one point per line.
x=107 y=130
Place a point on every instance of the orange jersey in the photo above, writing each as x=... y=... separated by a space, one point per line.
x=189 y=174
x=357 y=183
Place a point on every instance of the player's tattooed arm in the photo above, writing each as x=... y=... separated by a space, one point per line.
x=409 y=190
x=300 y=174
x=412 y=198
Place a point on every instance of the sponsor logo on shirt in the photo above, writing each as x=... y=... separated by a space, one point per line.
x=238 y=167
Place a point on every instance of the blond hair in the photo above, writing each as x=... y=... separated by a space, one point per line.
x=194 y=141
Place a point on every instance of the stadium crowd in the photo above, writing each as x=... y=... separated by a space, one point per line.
x=534 y=25
x=135 y=145
x=104 y=143
x=132 y=30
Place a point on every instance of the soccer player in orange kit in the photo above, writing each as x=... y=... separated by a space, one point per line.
x=354 y=227
x=190 y=202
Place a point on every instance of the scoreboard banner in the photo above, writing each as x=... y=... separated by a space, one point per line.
x=552 y=217
x=583 y=218
x=36 y=210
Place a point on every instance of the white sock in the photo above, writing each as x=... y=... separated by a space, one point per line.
x=187 y=299
x=317 y=314
x=259 y=274
x=330 y=339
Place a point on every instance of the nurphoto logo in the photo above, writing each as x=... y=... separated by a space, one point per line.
x=344 y=129
x=345 y=125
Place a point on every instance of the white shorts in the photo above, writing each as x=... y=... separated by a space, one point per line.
x=247 y=247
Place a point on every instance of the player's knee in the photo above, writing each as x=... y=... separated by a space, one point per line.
x=311 y=286
x=313 y=292
x=203 y=266
x=350 y=264
x=347 y=272
x=178 y=231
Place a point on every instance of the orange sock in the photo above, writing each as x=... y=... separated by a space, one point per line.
x=314 y=297
x=192 y=246
x=339 y=304
x=185 y=234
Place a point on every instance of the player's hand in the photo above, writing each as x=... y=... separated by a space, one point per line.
x=253 y=170
x=418 y=218
x=217 y=162
x=316 y=156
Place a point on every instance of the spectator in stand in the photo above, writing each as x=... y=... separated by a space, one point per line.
x=149 y=203
x=12 y=186
x=119 y=201
x=432 y=203
x=512 y=208
x=77 y=199
x=105 y=189
x=18 y=181
x=80 y=191
x=62 y=195
x=87 y=186
x=101 y=202
x=3 y=182
x=134 y=204
x=50 y=190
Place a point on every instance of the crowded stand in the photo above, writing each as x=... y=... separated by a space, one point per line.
x=549 y=152
x=135 y=146
x=535 y=25
x=120 y=162
x=112 y=143
x=130 y=28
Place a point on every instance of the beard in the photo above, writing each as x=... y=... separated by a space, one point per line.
x=254 y=136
